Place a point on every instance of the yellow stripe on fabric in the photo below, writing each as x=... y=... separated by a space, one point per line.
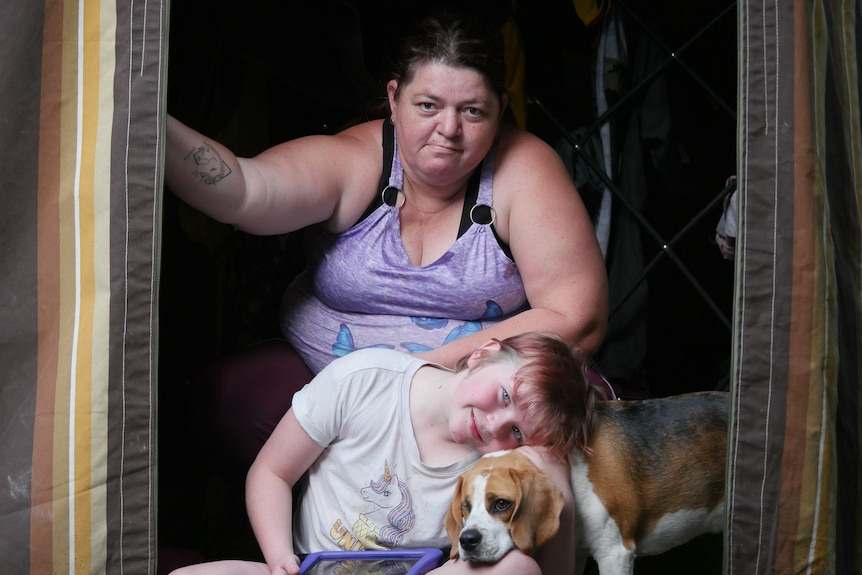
x=81 y=181
x=90 y=373
x=102 y=274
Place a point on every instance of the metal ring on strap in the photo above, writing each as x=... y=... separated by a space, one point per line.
x=392 y=196
x=486 y=218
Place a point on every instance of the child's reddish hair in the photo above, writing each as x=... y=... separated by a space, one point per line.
x=552 y=386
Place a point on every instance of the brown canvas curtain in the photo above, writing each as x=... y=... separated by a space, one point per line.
x=81 y=95
x=81 y=91
x=794 y=480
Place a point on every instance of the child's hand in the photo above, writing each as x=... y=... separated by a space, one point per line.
x=288 y=564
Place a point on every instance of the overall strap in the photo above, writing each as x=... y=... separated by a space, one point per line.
x=478 y=202
x=386 y=171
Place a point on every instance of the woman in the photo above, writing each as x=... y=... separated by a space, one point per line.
x=429 y=232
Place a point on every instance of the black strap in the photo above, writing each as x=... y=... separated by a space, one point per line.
x=388 y=155
x=481 y=214
x=470 y=198
x=385 y=172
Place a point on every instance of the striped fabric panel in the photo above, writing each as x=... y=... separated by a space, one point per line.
x=797 y=298
x=840 y=34
x=83 y=351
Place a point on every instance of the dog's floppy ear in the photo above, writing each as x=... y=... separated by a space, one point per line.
x=454 y=520
x=537 y=518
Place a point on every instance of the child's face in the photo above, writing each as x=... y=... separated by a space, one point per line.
x=484 y=416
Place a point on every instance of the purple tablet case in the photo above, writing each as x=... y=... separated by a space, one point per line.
x=388 y=562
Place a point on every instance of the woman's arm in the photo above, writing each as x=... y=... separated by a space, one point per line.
x=554 y=244
x=542 y=218
x=287 y=187
x=286 y=455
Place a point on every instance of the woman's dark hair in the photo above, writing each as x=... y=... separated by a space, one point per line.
x=457 y=40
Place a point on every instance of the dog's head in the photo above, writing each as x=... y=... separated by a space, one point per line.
x=504 y=501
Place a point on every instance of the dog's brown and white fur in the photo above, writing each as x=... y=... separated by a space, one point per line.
x=652 y=479
x=502 y=502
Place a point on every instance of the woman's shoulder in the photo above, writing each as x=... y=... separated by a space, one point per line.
x=527 y=172
x=522 y=159
x=353 y=146
x=515 y=143
x=358 y=157
x=369 y=133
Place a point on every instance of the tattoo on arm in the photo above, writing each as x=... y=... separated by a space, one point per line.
x=209 y=166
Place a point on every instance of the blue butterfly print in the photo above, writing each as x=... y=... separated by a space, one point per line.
x=344 y=343
x=414 y=348
x=466 y=328
x=429 y=322
x=492 y=310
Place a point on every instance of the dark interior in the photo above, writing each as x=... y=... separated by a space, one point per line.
x=253 y=73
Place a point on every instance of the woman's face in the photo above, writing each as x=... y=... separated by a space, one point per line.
x=446 y=119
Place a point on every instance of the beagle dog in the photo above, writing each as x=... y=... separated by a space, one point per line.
x=502 y=502
x=651 y=479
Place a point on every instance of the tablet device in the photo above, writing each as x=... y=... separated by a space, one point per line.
x=389 y=562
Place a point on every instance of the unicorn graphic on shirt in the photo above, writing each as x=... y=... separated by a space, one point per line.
x=384 y=527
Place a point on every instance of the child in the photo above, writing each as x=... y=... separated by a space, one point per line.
x=384 y=437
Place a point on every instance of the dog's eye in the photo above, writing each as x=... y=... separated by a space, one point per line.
x=465 y=506
x=501 y=505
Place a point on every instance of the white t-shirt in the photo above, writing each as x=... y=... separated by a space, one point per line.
x=369 y=489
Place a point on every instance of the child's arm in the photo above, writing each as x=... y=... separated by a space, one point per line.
x=286 y=455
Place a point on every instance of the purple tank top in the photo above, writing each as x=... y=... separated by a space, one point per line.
x=360 y=289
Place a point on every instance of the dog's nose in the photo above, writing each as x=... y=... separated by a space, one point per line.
x=470 y=539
